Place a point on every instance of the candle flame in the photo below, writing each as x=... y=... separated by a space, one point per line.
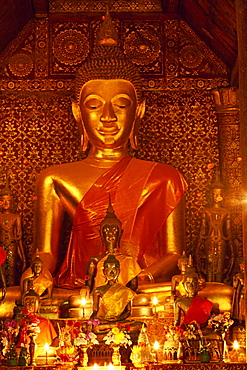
x=156 y=345
x=155 y=300
x=95 y=366
x=235 y=344
x=46 y=346
x=83 y=303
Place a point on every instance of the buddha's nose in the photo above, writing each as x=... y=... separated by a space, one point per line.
x=108 y=115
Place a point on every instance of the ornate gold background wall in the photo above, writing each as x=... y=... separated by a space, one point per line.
x=180 y=127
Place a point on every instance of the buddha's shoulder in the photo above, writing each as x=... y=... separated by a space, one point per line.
x=59 y=169
x=159 y=169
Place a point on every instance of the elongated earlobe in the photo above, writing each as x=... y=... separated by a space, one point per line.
x=140 y=111
x=77 y=115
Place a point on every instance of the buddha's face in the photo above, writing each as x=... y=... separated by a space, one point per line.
x=108 y=111
x=37 y=268
x=111 y=271
x=191 y=285
x=217 y=195
x=6 y=202
x=31 y=304
x=110 y=234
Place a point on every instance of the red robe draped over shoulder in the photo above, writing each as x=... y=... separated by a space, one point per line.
x=143 y=195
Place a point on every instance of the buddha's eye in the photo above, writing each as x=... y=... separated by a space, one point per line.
x=122 y=103
x=93 y=104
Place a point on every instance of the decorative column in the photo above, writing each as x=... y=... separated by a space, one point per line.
x=227 y=110
x=241 y=15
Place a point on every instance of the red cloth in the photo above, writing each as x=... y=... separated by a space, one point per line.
x=2 y=256
x=198 y=311
x=143 y=194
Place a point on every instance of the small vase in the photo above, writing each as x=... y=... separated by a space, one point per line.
x=85 y=357
x=222 y=347
x=116 y=358
x=32 y=347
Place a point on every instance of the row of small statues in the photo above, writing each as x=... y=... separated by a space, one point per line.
x=112 y=278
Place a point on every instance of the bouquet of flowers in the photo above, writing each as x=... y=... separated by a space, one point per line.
x=66 y=351
x=8 y=335
x=86 y=339
x=220 y=323
x=117 y=337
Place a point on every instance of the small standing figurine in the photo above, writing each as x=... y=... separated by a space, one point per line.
x=214 y=246
x=11 y=237
x=238 y=302
x=112 y=301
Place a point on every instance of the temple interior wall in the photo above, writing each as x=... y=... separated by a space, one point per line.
x=180 y=127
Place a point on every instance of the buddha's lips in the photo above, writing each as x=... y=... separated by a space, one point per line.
x=108 y=131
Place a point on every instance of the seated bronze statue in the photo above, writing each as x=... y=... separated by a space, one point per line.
x=47 y=333
x=147 y=196
x=112 y=301
x=39 y=279
x=111 y=232
x=177 y=288
x=191 y=307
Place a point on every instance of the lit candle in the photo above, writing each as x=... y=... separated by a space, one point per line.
x=95 y=367
x=155 y=302
x=156 y=348
x=83 y=303
x=235 y=351
x=111 y=367
x=46 y=352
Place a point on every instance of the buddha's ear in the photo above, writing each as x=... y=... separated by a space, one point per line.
x=140 y=111
x=77 y=115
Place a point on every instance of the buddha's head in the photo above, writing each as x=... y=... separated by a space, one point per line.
x=217 y=190
x=111 y=268
x=31 y=302
x=6 y=197
x=110 y=229
x=190 y=282
x=108 y=104
x=183 y=262
x=37 y=266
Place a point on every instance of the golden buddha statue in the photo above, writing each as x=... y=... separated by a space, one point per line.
x=11 y=237
x=147 y=196
x=111 y=232
x=37 y=278
x=46 y=334
x=177 y=288
x=215 y=255
x=112 y=301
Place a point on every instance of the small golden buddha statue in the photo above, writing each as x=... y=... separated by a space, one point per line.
x=177 y=288
x=38 y=279
x=147 y=196
x=214 y=252
x=112 y=301
x=47 y=333
x=11 y=237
